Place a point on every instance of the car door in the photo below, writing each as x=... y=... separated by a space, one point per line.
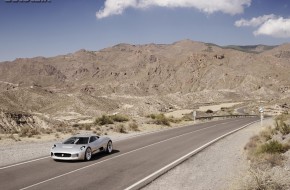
x=93 y=143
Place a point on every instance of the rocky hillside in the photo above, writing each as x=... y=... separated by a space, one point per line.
x=140 y=79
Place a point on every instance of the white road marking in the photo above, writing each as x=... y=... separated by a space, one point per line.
x=180 y=160
x=130 y=137
x=73 y=171
x=21 y=163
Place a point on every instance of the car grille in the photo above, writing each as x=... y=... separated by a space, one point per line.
x=62 y=155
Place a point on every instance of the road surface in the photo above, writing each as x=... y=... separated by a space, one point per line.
x=131 y=161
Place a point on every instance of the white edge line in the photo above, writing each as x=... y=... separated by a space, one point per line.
x=73 y=171
x=118 y=140
x=21 y=163
x=166 y=168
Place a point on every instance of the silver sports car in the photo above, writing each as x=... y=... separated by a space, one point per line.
x=81 y=147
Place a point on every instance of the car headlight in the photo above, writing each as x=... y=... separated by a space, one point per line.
x=53 y=146
x=83 y=147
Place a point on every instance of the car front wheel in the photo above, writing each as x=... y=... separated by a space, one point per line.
x=109 y=148
x=88 y=154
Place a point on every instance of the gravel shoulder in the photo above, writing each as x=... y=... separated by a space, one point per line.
x=219 y=166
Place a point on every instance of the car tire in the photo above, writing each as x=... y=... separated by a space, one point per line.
x=109 y=148
x=88 y=154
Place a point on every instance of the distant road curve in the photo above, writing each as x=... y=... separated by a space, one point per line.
x=133 y=160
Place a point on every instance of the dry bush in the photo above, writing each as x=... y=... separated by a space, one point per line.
x=104 y=120
x=11 y=136
x=160 y=119
x=281 y=126
x=110 y=119
x=174 y=120
x=120 y=129
x=133 y=127
x=262 y=180
x=27 y=131
x=119 y=118
x=273 y=159
x=209 y=111
x=273 y=147
x=253 y=143
x=187 y=117
x=56 y=135
x=61 y=128
x=267 y=134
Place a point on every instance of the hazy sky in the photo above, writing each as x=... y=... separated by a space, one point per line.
x=30 y=29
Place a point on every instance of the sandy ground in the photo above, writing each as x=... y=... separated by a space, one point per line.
x=218 y=167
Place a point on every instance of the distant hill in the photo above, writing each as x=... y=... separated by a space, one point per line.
x=141 y=79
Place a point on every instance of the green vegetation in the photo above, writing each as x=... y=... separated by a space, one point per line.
x=105 y=119
x=281 y=126
x=273 y=147
x=160 y=119
x=265 y=152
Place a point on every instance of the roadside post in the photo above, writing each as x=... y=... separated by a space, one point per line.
x=194 y=116
x=261 y=110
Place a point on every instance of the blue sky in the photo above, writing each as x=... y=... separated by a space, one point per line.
x=64 y=26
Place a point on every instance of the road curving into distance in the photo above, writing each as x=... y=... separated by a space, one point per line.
x=129 y=166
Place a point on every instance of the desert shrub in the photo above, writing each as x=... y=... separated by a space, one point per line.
x=76 y=125
x=267 y=134
x=110 y=119
x=174 y=120
x=119 y=118
x=187 y=117
x=46 y=130
x=120 y=129
x=87 y=127
x=262 y=180
x=273 y=147
x=133 y=126
x=27 y=131
x=56 y=135
x=253 y=143
x=160 y=119
x=11 y=136
x=104 y=120
x=273 y=159
x=209 y=111
x=281 y=126
x=61 y=128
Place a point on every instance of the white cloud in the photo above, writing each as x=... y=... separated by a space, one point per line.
x=117 y=7
x=279 y=28
x=256 y=21
x=269 y=25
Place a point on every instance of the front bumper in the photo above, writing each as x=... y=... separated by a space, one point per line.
x=67 y=155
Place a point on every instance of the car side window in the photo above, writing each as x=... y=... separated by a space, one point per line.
x=92 y=139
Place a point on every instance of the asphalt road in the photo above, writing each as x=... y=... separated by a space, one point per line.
x=132 y=160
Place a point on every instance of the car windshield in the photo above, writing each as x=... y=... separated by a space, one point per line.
x=77 y=140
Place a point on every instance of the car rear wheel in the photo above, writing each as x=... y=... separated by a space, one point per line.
x=109 y=148
x=88 y=154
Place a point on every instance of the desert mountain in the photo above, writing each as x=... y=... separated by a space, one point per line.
x=141 y=79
